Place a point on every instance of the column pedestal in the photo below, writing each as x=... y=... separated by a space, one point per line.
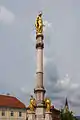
x=48 y=115
x=31 y=115
x=40 y=113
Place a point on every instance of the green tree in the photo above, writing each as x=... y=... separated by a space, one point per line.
x=66 y=115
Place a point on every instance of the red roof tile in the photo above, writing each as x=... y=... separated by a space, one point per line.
x=10 y=101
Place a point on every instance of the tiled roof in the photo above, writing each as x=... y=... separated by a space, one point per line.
x=10 y=101
x=54 y=109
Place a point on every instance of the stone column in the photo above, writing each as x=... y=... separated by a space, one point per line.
x=39 y=89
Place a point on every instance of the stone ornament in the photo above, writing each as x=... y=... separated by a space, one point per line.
x=48 y=104
x=32 y=103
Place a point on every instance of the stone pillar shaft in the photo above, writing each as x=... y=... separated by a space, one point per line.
x=39 y=60
x=39 y=70
x=39 y=90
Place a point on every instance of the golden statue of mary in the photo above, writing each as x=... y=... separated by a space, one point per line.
x=39 y=24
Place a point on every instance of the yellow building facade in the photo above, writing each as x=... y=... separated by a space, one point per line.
x=11 y=108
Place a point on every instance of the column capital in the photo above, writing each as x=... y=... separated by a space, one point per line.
x=39 y=35
x=39 y=90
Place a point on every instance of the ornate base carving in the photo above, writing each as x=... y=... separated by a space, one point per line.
x=48 y=115
x=31 y=115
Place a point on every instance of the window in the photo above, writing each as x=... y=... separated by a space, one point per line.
x=3 y=113
x=12 y=113
x=20 y=114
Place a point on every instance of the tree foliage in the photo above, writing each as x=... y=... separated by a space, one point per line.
x=68 y=115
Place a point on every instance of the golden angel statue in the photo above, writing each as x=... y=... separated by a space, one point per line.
x=32 y=103
x=39 y=24
x=48 y=104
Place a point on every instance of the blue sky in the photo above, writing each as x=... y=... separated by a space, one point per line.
x=61 y=53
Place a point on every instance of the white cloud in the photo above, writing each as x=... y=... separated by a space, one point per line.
x=47 y=25
x=6 y=16
x=75 y=86
x=67 y=84
x=63 y=88
x=64 y=83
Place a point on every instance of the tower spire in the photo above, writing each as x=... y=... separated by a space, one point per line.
x=66 y=102
x=66 y=108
